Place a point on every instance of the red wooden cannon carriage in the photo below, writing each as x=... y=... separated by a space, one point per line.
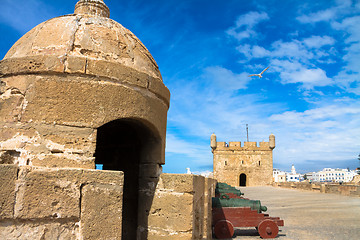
x=230 y=210
x=225 y=219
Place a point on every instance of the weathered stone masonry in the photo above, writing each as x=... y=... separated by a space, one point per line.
x=42 y=203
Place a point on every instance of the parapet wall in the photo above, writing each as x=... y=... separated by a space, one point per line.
x=43 y=203
x=343 y=189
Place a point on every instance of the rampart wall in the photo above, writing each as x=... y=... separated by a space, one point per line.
x=343 y=189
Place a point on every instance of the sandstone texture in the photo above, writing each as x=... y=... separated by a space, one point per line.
x=101 y=211
x=180 y=207
x=43 y=203
x=8 y=177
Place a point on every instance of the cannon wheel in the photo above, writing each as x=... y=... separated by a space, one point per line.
x=268 y=229
x=224 y=229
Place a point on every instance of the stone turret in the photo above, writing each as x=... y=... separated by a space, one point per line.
x=272 y=141
x=213 y=142
x=80 y=90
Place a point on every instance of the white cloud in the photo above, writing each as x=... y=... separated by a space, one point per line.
x=323 y=15
x=180 y=146
x=294 y=49
x=308 y=49
x=309 y=78
x=254 y=51
x=318 y=41
x=225 y=78
x=245 y=24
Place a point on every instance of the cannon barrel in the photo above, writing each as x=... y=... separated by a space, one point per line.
x=238 y=202
x=235 y=191
x=222 y=185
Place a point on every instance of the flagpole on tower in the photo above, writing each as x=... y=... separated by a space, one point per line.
x=247 y=132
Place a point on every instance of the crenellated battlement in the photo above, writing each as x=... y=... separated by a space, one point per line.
x=231 y=146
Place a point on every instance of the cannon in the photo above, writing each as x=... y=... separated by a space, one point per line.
x=238 y=202
x=230 y=210
x=219 y=191
x=224 y=190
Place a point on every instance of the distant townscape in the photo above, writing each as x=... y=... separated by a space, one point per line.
x=325 y=175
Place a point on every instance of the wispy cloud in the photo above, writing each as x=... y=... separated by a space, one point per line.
x=295 y=72
x=318 y=41
x=324 y=15
x=245 y=25
x=225 y=78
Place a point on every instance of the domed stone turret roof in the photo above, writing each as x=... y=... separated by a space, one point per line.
x=69 y=77
x=87 y=33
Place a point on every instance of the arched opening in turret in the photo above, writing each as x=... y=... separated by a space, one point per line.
x=129 y=146
x=242 y=180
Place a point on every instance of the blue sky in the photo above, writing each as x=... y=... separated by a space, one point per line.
x=308 y=98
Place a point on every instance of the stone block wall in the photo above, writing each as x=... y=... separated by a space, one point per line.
x=181 y=208
x=43 y=203
x=343 y=189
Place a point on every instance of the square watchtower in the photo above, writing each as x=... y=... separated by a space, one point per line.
x=247 y=165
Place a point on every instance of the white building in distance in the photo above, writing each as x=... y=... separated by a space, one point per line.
x=278 y=175
x=293 y=176
x=332 y=175
x=281 y=176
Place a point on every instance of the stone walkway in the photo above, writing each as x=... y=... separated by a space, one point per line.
x=307 y=215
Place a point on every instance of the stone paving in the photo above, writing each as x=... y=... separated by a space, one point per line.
x=307 y=215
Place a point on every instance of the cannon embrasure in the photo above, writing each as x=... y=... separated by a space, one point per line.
x=230 y=210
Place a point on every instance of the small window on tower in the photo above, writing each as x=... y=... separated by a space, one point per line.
x=225 y=163
x=259 y=163
x=242 y=161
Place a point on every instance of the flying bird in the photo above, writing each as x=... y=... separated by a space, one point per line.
x=260 y=74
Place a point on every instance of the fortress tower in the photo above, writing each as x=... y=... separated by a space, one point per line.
x=248 y=165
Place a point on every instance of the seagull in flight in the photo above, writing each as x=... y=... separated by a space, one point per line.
x=260 y=74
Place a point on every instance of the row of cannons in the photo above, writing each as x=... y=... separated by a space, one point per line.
x=231 y=210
